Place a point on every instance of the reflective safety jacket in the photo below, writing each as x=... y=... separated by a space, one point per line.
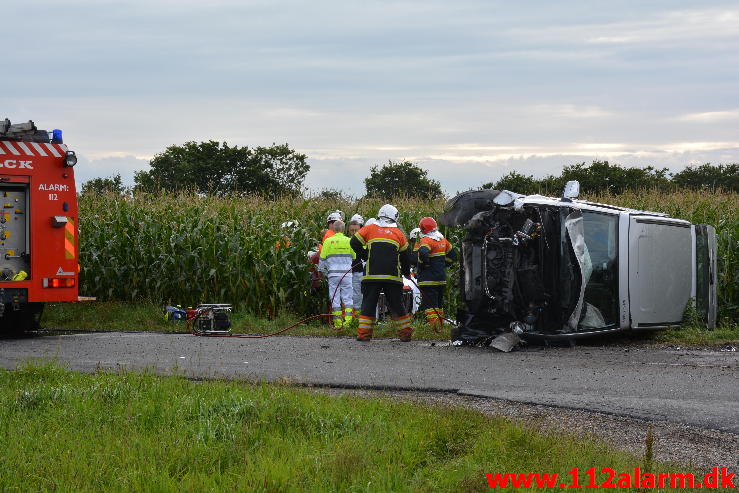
x=337 y=256
x=328 y=234
x=432 y=257
x=387 y=253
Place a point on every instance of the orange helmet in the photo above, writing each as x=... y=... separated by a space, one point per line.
x=427 y=225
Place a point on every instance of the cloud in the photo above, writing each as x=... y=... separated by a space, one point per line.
x=682 y=26
x=710 y=116
x=126 y=165
x=457 y=173
x=470 y=89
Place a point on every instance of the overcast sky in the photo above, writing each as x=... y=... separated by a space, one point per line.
x=467 y=89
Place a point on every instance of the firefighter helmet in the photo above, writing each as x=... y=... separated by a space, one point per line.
x=415 y=233
x=357 y=219
x=370 y=221
x=427 y=225
x=337 y=215
x=388 y=211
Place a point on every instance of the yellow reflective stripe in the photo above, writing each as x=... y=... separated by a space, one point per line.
x=359 y=237
x=439 y=254
x=404 y=247
x=432 y=283
x=69 y=239
x=424 y=245
x=382 y=277
x=384 y=240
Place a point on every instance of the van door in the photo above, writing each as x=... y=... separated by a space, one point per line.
x=706 y=296
x=660 y=271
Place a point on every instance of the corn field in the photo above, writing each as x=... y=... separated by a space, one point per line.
x=187 y=249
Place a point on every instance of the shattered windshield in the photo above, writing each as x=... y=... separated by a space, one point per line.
x=600 y=271
x=601 y=291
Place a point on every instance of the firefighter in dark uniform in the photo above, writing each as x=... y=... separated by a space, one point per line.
x=432 y=254
x=387 y=260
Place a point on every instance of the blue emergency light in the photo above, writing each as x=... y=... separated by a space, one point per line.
x=56 y=136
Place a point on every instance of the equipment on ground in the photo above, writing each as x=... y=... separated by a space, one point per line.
x=212 y=318
x=38 y=224
x=174 y=313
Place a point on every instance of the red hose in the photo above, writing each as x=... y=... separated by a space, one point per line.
x=307 y=319
x=313 y=317
x=438 y=315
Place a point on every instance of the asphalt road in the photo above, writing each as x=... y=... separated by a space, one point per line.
x=694 y=387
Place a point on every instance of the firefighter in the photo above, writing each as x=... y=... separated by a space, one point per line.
x=414 y=236
x=355 y=224
x=336 y=262
x=327 y=233
x=387 y=261
x=433 y=253
x=289 y=228
x=337 y=215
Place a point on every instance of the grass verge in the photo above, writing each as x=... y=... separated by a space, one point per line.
x=142 y=316
x=65 y=431
x=130 y=316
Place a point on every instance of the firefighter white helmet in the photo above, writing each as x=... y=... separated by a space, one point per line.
x=357 y=219
x=370 y=221
x=388 y=211
x=335 y=216
x=415 y=233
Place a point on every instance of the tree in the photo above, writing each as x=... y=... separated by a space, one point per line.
x=516 y=182
x=396 y=179
x=214 y=167
x=111 y=184
x=709 y=176
x=600 y=176
x=333 y=195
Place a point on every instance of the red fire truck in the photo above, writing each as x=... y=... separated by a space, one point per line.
x=38 y=224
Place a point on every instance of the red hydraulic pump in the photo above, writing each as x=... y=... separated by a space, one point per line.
x=38 y=223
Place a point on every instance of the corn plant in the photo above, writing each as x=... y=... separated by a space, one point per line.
x=187 y=249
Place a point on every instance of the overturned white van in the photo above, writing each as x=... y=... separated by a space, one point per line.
x=565 y=268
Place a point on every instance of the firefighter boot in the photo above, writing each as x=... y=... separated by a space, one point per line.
x=337 y=319
x=404 y=327
x=439 y=314
x=432 y=318
x=348 y=316
x=364 y=331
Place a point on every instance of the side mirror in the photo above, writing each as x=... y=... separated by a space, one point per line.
x=572 y=190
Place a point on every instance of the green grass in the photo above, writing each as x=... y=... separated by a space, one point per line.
x=144 y=316
x=65 y=431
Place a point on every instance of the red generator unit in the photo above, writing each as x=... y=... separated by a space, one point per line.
x=38 y=224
